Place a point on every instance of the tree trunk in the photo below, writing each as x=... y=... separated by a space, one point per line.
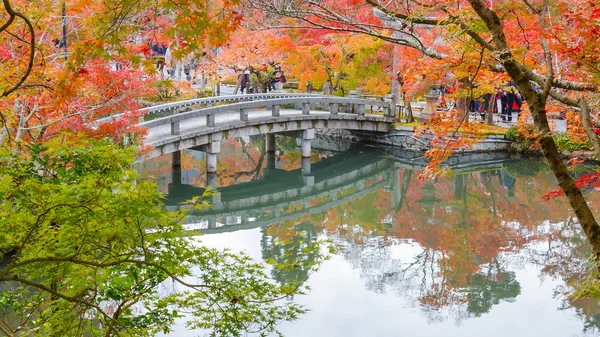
x=489 y=106
x=586 y=119
x=409 y=113
x=537 y=105
x=566 y=182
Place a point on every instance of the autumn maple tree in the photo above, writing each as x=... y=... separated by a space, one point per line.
x=85 y=247
x=519 y=40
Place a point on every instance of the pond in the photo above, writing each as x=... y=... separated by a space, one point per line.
x=470 y=254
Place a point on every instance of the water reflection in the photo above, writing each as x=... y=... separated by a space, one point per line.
x=456 y=247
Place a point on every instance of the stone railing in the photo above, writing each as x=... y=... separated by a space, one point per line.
x=300 y=102
x=180 y=106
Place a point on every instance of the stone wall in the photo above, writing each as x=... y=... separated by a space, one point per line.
x=403 y=137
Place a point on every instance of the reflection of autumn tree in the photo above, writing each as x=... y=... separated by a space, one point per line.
x=358 y=219
x=290 y=249
x=463 y=233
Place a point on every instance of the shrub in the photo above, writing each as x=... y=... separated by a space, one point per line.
x=566 y=143
x=511 y=133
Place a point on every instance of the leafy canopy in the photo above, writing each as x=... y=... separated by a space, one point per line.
x=87 y=250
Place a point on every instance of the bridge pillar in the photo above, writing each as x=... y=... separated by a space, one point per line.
x=305 y=148
x=270 y=142
x=211 y=180
x=270 y=165
x=307 y=178
x=360 y=185
x=396 y=191
x=307 y=135
x=305 y=204
x=333 y=195
x=176 y=176
x=176 y=159
x=305 y=166
x=211 y=162
x=212 y=222
x=212 y=150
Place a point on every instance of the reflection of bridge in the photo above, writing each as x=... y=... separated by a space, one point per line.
x=287 y=195
x=296 y=115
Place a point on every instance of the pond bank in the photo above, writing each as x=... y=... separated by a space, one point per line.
x=403 y=138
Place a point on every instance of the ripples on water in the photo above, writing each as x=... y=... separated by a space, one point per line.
x=476 y=253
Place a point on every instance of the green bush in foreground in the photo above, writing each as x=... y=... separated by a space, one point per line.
x=87 y=251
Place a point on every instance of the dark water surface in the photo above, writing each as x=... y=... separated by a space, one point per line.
x=477 y=253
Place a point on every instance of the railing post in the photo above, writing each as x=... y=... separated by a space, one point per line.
x=244 y=115
x=333 y=108
x=353 y=94
x=305 y=108
x=275 y=110
x=210 y=119
x=175 y=130
x=360 y=109
x=390 y=109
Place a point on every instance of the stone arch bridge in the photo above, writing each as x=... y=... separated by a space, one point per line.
x=201 y=124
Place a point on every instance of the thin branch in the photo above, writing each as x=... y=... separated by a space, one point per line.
x=13 y=14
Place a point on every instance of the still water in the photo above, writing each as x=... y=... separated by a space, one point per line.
x=477 y=253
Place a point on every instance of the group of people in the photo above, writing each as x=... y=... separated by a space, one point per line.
x=504 y=102
x=267 y=78
x=508 y=100
x=168 y=66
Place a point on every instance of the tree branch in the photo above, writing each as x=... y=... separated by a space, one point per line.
x=12 y=13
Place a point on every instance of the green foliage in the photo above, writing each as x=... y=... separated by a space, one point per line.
x=523 y=136
x=512 y=133
x=202 y=93
x=166 y=90
x=87 y=251
x=566 y=143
